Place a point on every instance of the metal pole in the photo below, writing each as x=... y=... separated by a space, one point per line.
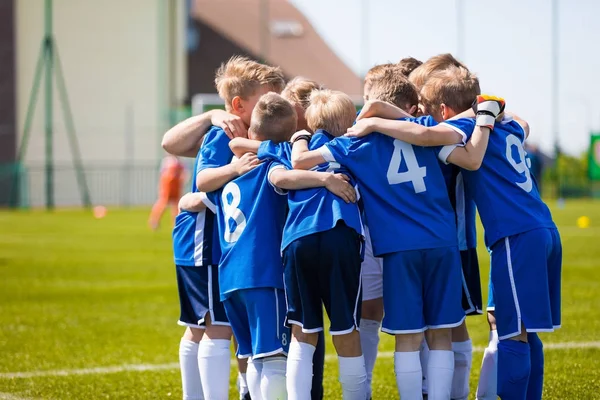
x=555 y=93
x=264 y=30
x=364 y=40
x=460 y=30
x=49 y=106
x=84 y=190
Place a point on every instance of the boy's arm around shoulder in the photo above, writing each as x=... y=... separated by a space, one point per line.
x=192 y=202
x=469 y=157
x=407 y=131
x=299 y=179
x=211 y=179
x=302 y=157
x=185 y=138
x=240 y=146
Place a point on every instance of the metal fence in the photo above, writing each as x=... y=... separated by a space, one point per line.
x=108 y=184
x=123 y=185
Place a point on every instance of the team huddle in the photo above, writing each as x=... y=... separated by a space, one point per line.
x=299 y=205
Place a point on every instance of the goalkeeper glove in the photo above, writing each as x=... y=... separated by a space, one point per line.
x=487 y=109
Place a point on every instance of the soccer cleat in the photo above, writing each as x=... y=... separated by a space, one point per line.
x=487 y=109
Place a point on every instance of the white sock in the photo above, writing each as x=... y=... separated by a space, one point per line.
x=440 y=371
x=299 y=370
x=190 y=375
x=407 y=367
x=214 y=359
x=463 y=357
x=253 y=376
x=488 y=378
x=353 y=377
x=272 y=381
x=369 y=341
x=242 y=384
x=424 y=356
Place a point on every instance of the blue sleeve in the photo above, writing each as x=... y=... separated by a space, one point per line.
x=464 y=126
x=215 y=150
x=273 y=165
x=344 y=149
x=280 y=152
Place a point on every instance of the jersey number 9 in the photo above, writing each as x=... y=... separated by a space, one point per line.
x=521 y=166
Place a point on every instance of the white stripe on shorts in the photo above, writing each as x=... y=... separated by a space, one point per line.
x=514 y=291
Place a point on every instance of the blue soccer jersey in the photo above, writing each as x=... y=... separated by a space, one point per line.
x=503 y=188
x=215 y=150
x=403 y=188
x=316 y=209
x=195 y=235
x=251 y=215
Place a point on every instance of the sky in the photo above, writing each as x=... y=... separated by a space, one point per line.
x=506 y=43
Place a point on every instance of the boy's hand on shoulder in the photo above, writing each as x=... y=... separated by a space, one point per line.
x=296 y=135
x=339 y=185
x=246 y=163
x=231 y=124
x=488 y=109
x=361 y=128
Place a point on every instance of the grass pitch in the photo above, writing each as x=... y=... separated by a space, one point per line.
x=88 y=310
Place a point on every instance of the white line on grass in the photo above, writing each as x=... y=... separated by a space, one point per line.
x=171 y=366
x=8 y=396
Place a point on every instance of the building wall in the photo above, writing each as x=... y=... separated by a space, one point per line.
x=119 y=76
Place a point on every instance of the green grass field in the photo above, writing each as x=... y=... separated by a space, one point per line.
x=88 y=310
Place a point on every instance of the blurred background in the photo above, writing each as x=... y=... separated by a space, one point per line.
x=124 y=71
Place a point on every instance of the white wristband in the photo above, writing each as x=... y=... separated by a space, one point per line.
x=485 y=120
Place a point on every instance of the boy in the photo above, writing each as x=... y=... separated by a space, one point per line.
x=250 y=216
x=444 y=94
x=416 y=235
x=321 y=250
x=381 y=83
x=240 y=82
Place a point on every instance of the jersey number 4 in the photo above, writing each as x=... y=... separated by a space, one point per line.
x=521 y=166
x=232 y=212
x=414 y=173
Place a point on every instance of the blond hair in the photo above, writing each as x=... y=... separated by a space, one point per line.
x=419 y=76
x=298 y=90
x=391 y=86
x=330 y=110
x=455 y=87
x=273 y=118
x=408 y=65
x=241 y=77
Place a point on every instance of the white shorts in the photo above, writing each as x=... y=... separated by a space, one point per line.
x=372 y=272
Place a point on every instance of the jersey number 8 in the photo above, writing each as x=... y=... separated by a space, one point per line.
x=232 y=211
x=414 y=173
x=521 y=166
